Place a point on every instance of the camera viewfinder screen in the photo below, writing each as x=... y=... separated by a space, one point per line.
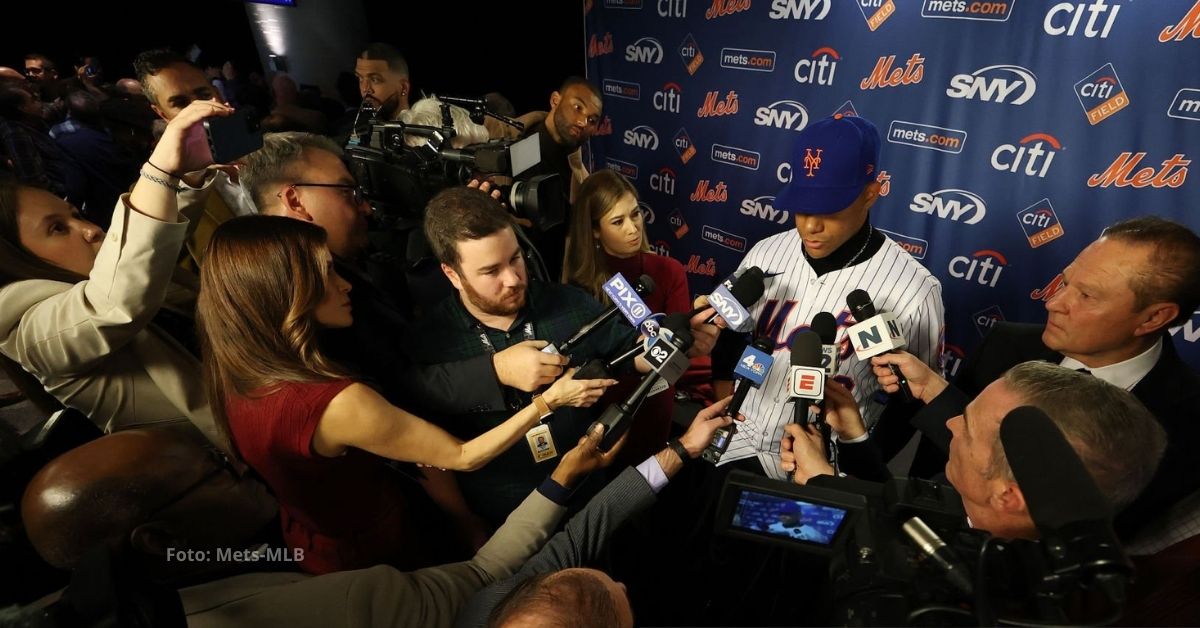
x=787 y=518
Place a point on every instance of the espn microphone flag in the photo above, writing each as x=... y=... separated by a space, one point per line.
x=806 y=380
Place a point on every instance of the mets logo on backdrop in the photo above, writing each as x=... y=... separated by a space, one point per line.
x=1121 y=173
x=689 y=52
x=604 y=128
x=706 y=193
x=684 y=146
x=1101 y=94
x=600 y=45
x=1188 y=26
x=876 y=12
x=884 y=75
x=1048 y=291
x=721 y=8
x=713 y=107
x=1040 y=223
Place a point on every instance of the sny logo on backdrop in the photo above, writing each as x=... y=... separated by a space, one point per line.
x=641 y=136
x=723 y=238
x=764 y=208
x=990 y=85
x=876 y=12
x=964 y=10
x=885 y=76
x=799 y=9
x=1189 y=25
x=678 y=224
x=978 y=266
x=684 y=146
x=622 y=89
x=648 y=215
x=952 y=203
x=743 y=59
x=713 y=108
x=644 y=50
x=626 y=169
x=1031 y=156
x=818 y=68
x=669 y=98
x=986 y=318
x=1040 y=223
x=600 y=46
x=706 y=194
x=663 y=181
x=721 y=8
x=672 y=8
x=689 y=52
x=782 y=114
x=1064 y=18
x=734 y=156
x=916 y=247
x=1120 y=173
x=1191 y=331
x=1101 y=94
x=1049 y=290
x=927 y=136
x=1186 y=104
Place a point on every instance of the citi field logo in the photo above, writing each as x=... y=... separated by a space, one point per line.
x=689 y=52
x=1186 y=105
x=995 y=83
x=986 y=319
x=644 y=50
x=672 y=8
x=1191 y=331
x=966 y=10
x=951 y=359
x=706 y=193
x=916 y=247
x=1189 y=26
x=679 y=226
x=641 y=136
x=812 y=162
x=647 y=212
x=764 y=208
x=669 y=98
x=1121 y=173
x=799 y=9
x=714 y=107
x=1048 y=291
x=1065 y=18
x=624 y=168
x=926 y=136
x=782 y=114
x=721 y=8
x=663 y=181
x=683 y=145
x=847 y=109
x=983 y=267
x=734 y=156
x=1040 y=223
x=957 y=205
x=622 y=89
x=1101 y=94
x=884 y=75
x=600 y=45
x=745 y=59
x=818 y=68
x=876 y=12
x=723 y=238
x=1035 y=152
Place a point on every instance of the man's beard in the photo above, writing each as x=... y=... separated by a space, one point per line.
x=388 y=108
x=563 y=127
x=504 y=306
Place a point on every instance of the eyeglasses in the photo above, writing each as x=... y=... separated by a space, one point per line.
x=222 y=464
x=357 y=194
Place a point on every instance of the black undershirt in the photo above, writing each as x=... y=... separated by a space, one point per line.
x=844 y=253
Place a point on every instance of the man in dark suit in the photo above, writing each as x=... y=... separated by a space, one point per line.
x=1110 y=317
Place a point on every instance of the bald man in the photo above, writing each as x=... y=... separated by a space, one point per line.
x=9 y=73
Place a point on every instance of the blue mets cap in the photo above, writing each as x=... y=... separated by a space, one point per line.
x=832 y=160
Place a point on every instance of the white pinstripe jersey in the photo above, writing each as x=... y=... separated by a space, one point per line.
x=896 y=282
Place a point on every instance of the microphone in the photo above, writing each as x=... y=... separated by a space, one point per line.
x=752 y=369
x=806 y=379
x=934 y=547
x=667 y=356
x=626 y=300
x=825 y=326
x=876 y=334
x=732 y=300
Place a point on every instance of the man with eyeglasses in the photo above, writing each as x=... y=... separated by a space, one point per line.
x=39 y=68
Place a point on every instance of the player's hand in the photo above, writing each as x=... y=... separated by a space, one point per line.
x=802 y=453
x=841 y=411
x=924 y=383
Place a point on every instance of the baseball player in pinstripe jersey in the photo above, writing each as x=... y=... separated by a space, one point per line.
x=832 y=251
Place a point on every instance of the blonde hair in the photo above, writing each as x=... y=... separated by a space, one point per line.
x=585 y=265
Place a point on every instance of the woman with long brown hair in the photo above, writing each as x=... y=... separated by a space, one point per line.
x=267 y=286
x=607 y=236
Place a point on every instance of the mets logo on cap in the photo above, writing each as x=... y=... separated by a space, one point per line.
x=838 y=156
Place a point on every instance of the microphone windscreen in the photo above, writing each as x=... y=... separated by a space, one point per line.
x=860 y=305
x=825 y=327
x=1057 y=487
x=806 y=349
x=644 y=285
x=748 y=288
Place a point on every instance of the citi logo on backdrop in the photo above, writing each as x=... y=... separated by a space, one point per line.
x=982 y=267
x=799 y=9
x=669 y=98
x=1172 y=173
x=995 y=83
x=663 y=181
x=672 y=8
x=957 y=205
x=968 y=10
x=764 y=208
x=986 y=319
x=914 y=246
x=884 y=75
x=678 y=225
x=951 y=359
x=819 y=68
x=1066 y=18
x=689 y=53
x=1101 y=94
x=782 y=114
x=683 y=145
x=644 y=50
x=1035 y=152
x=1040 y=223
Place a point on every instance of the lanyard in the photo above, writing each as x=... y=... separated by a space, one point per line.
x=526 y=330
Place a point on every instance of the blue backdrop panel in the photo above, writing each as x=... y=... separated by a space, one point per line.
x=1014 y=131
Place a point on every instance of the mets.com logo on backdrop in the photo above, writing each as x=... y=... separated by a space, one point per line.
x=926 y=136
x=1186 y=104
x=1040 y=223
x=734 y=156
x=723 y=238
x=916 y=247
x=968 y=10
x=745 y=59
x=621 y=89
x=1101 y=94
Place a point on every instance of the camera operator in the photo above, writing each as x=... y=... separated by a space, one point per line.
x=1114 y=435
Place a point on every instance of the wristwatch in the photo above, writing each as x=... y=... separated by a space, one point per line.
x=679 y=449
